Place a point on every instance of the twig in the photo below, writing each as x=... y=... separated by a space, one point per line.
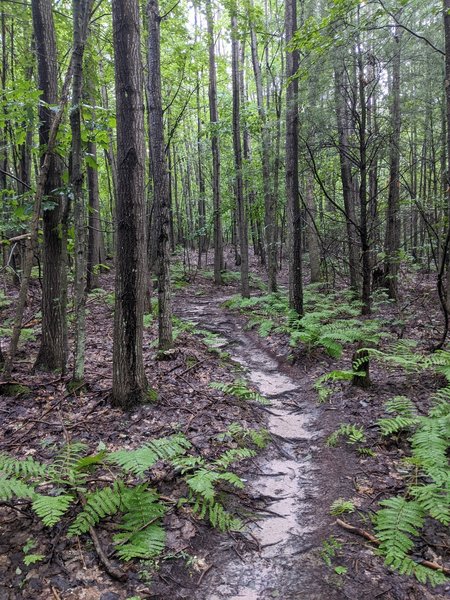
x=191 y=368
x=368 y=536
x=112 y=571
x=200 y=579
x=55 y=593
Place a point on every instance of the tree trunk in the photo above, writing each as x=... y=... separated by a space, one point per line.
x=392 y=240
x=363 y=228
x=214 y=119
x=95 y=234
x=292 y=189
x=53 y=349
x=342 y=118
x=269 y=200
x=160 y=175
x=313 y=239
x=237 y=148
x=81 y=14
x=129 y=382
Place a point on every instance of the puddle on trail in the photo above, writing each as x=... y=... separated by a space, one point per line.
x=285 y=482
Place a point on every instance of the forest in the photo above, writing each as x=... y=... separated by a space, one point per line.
x=225 y=299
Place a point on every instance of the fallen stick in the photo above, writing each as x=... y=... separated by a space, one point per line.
x=112 y=571
x=368 y=536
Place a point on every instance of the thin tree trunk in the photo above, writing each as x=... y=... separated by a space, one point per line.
x=214 y=118
x=160 y=175
x=346 y=178
x=94 y=257
x=292 y=187
x=237 y=148
x=392 y=240
x=269 y=200
x=313 y=239
x=31 y=241
x=81 y=14
x=363 y=229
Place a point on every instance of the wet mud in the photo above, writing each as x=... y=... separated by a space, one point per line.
x=287 y=480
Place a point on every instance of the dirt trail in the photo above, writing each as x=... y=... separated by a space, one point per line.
x=289 y=477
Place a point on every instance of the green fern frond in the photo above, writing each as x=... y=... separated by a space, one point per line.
x=140 y=460
x=401 y=405
x=434 y=500
x=187 y=463
x=430 y=445
x=26 y=468
x=64 y=467
x=395 y=523
x=10 y=487
x=144 y=545
x=217 y=515
x=392 y=425
x=354 y=434
x=323 y=391
x=239 y=389
x=258 y=437
x=99 y=504
x=141 y=533
x=425 y=575
x=50 y=509
x=234 y=455
x=202 y=482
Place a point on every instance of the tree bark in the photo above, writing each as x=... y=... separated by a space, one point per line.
x=342 y=119
x=160 y=176
x=292 y=187
x=237 y=148
x=392 y=240
x=269 y=200
x=313 y=239
x=129 y=382
x=214 y=119
x=81 y=14
x=53 y=349
x=95 y=234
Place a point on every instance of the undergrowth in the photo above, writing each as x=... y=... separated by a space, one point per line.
x=62 y=491
x=404 y=519
x=330 y=321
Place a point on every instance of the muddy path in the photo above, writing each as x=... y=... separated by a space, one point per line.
x=287 y=564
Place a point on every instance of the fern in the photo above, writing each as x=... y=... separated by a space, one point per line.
x=323 y=391
x=141 y=533
x=203 y=481
x=434 y=499
x=395 y=524
x=240 y=389
x=405 y=416
x=50 y=509
x=140 y=460
x=217 y=515
x=65 y=466
x=258 y=437
x=144 y=544
x=10 y=487
x=341 y=506
x=26 y=468
x=99 y=504
x=231 y=456
x=354 y=434
x=430 y=444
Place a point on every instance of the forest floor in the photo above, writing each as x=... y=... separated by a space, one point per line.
x=292 y=547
